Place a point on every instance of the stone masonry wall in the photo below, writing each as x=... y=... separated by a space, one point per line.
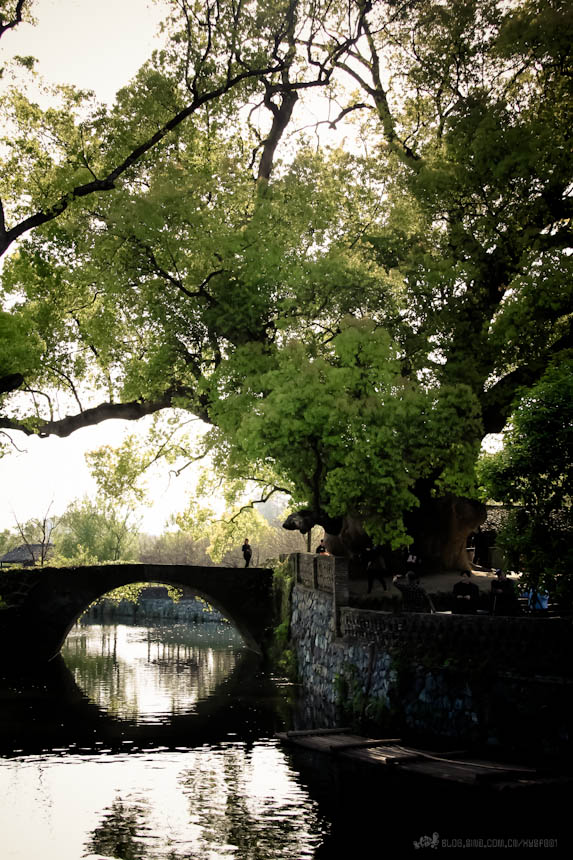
x=473 y=678
x=159 y=609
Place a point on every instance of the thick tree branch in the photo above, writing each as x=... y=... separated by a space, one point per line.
x=108 y=183
x=404 y=152
x=265 y=496
x=281 y=118
x=10 y=382
x=132 y=411
x=17 y=19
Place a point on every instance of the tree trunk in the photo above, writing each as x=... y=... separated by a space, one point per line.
x=441 y=528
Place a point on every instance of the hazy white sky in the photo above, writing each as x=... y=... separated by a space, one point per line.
x=99 y=46
x=95 y=45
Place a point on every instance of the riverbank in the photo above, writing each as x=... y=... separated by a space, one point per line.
x=483 y=681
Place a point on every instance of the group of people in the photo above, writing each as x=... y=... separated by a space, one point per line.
x=415 y=598
x=503 y=596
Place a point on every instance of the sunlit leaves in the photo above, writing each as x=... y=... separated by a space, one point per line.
x=349 y=431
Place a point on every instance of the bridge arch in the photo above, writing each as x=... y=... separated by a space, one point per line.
x=45 y=604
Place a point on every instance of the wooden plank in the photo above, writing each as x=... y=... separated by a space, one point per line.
x=355 y=745
x=510 y=773
x=318 y=742
x=301 y=733
x=330 y=743
x=383 y=755
x=435 y=771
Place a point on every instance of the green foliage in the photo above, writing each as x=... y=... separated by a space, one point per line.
x=535 y=467
x=223 y=532
x=349 y=430
x=172 y=548
x=282 y=654
x=133 y=591
x=355 y=703
x=106 y=529
x=117 y=472
x=20 y=347
x=7 y=541
x=534 y=471
x=91 y=532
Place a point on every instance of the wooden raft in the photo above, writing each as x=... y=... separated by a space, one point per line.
x=452 y=766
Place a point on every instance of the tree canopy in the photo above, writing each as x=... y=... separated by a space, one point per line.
x=351 y=316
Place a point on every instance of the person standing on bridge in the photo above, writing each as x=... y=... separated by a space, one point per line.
x=247 y=551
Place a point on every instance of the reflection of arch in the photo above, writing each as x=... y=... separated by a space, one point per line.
x=44 y=605
x=68 y=717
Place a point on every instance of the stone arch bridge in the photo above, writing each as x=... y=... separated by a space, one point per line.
x=41 y=606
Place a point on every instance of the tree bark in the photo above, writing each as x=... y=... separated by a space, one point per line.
x=131 y=411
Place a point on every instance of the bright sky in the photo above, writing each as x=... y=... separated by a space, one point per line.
x=99 y=46
x=95 y=45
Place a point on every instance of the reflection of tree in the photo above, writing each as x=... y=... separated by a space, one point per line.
x=233 y=800
x=239 y=818
x=122 y=832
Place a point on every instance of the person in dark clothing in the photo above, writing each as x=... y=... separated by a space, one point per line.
x=503 y=597
x=466 y=595
x=321 y=548
x=247 y=552
x=375 y=566
x=415 y=598
x=481 y=546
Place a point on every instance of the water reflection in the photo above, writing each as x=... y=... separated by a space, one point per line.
x=153 y=744
x=257 y=808
x=147 y=674
x=122 y=831
x=168 y=774
x=236 y=800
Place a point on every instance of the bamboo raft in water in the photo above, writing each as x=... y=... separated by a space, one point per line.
x=453 y=767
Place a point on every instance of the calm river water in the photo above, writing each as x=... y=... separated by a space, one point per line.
x=158 y=744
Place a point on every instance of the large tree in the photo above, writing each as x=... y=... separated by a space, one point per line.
x=353 y=320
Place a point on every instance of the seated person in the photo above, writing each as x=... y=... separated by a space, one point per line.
x=537 y=600
x=415 y=598
x=503 y=597
x=466 y=595
x=321 y=548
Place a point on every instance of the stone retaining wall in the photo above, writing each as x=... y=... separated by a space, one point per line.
x=473 y=678
x=161 y=609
